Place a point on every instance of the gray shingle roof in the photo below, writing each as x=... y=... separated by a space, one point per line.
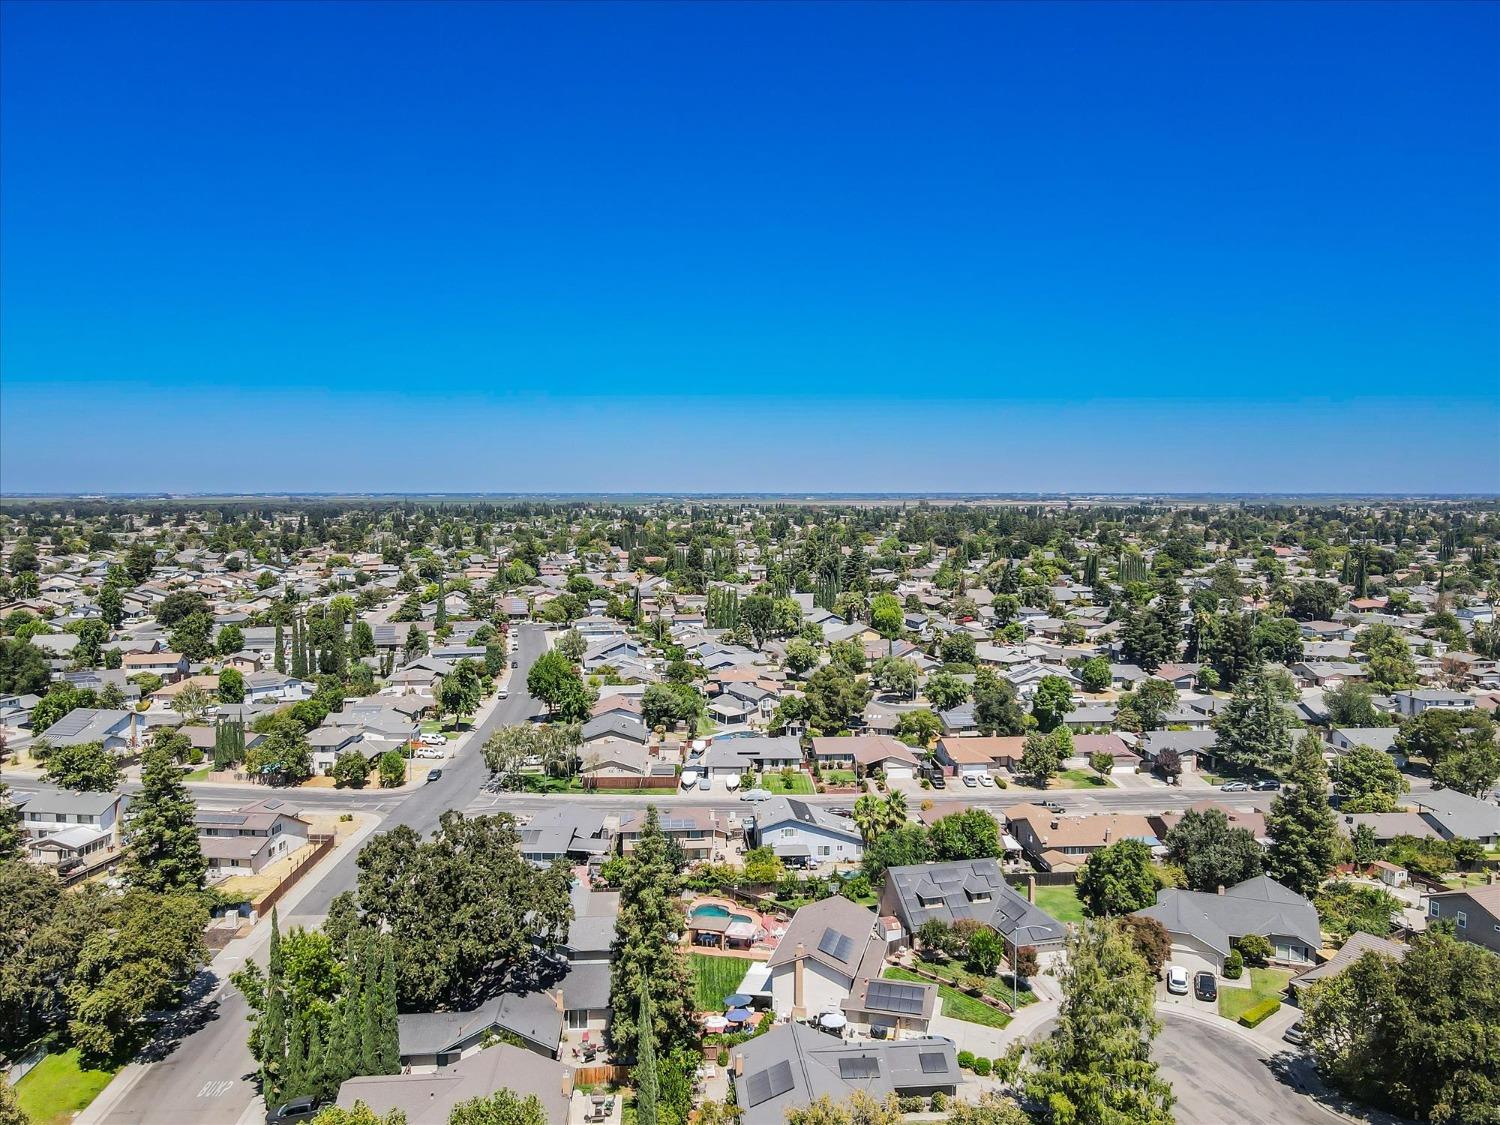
x=972 y=889
x=1257 y=906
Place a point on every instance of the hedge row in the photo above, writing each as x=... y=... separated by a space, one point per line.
x=1258 y=1013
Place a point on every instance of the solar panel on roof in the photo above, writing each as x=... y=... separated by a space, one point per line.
x=933 y=1062
x=772 y=1082
x=862 y=1066
x=905 y=999
x=836 y=945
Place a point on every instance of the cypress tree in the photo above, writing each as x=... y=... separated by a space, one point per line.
x=1302 y=825
x=272 y=1026
x=164 y=852
x=318 y=1078
x=299 y=656
x=280 y=649
x=369 y=1022
x=647 y=1085
x=388 y=1038
x=440 y=617
x=295 y=1077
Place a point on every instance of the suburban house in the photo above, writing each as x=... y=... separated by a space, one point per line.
x=429 y=1097
x=61 y=826
x=968 y=889
x=732 y=757
x=1056 y=842
x=244 y=841
x=433 y=1040
x=1457 y=816
x=799 y=831
x=866 y=753
x=276 y=687
x=793 y=1065
x=1474 y=912
x=116 y=731
x=565 y=832
x=699 y=832
x=1358 y=945
x=1190 y=745
x=618 y=726
x=591 y=935
x=1413 y=703
x=829 y=963
x=168 y=665
x=975 y=756
x=1204 y=926
x=1344 y=739
x=617 y=764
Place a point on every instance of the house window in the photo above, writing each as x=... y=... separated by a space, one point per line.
x=1461 y=920
x=788 y=833
x=1432 y=909
x=824 y=849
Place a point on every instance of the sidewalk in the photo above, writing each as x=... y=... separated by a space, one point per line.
x=226 y=961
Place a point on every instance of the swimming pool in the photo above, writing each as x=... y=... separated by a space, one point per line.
x=714 y=910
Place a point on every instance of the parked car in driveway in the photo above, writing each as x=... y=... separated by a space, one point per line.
x=1234 y=787
x=1204 y=986
x=756 y=795
x=298 y=1109
x=987 y=781
x=435 y=739
x=1296 y=1035
x=970 y=781
x=1177 y=980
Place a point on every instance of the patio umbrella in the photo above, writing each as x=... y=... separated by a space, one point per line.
x=833 y=1020
x=737 y=1015
x=738 y=1000
x=715 y=1023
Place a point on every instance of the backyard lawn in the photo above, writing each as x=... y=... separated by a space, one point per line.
x=799 y=782
x=1060 y=902
x=1264 y=984
x=57 y=1089
x=956 y=1005
x=717 y=977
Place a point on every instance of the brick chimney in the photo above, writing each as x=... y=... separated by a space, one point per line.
x=739 y=1066
x=798 y=1010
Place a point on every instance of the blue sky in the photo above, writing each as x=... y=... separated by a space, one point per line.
x=764 y=247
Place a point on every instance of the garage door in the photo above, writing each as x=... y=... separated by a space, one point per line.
x=1192 y=961
x=899 y=773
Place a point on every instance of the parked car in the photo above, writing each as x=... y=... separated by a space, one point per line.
x=970 y=781
x=756 y=795
x=1234 y=787
x=938 y=781
x=987 y=781
x=1204 y=986
x=298 y=1109
x=1296 y=1035
x=515 y=663
x=433 y=775
x=430 y=752
x=435 y=739
x=1053 y=806
x=1177 y=980
x=1266 y=785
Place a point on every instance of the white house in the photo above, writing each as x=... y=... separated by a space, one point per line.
x=794 y=829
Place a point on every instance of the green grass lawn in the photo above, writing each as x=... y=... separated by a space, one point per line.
x=199 y=774
x=838 y=777
x=1060 y=902
x=1079 y=779
x=775 y=783
x=1000 y=987
x=956 y=1004
x=58 y=1088
x=717 y=977
x=1264 y=984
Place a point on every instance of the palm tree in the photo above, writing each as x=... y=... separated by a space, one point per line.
x=895 y=810
x=869 y=815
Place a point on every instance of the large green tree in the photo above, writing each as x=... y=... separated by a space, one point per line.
x=164 y=852
x=85 y=767
x=1419 y=1036
x=1302 y=826
x=1255 y=730
x=1117 y=879
x=1052 y=702
x=1211 y=852
x=645 y=960
x=1368 y=780
x=1096 y=1068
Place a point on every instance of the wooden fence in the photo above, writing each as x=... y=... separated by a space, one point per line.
x=603 y=1075
x=322 y=844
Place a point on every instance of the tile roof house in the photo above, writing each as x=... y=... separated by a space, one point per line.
x=1056 y=842
x=970 y=888
x=794 y=1065
x=1204 y=926
x=865 y=753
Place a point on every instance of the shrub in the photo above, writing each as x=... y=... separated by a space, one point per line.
x=939 y=1102
x=1234 y=965
x=723 y=1056
x=1259 y=1013
x=982 y=1067
x=1255 y=950
x=966 y=1060
x=912 y=1103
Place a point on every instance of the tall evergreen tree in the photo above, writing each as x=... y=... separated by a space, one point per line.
x=1097 y=1067
x=644 y=956
x=647 y=1082
x=388 y=1039
x=164 y=852
x=299 y=654
x=10 y=825
x=272 y=1028
x=280 y=658
x=1302 y=825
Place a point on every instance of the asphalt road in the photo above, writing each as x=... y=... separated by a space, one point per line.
x=205 y=1076
x=1221 y=1078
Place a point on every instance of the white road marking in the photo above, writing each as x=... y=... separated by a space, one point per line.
x=215 y=1089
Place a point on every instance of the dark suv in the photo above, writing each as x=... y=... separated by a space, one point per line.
x=1204 y=986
